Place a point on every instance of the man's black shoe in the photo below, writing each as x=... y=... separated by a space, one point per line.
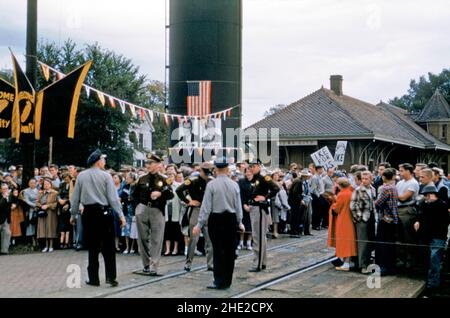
x=254 y=270
x=92 y=283
x=79 y=248
x=187 y=269
x=308 y=234
x=146 y=269
x=153 y=273
x=263 y=267
x=214 y=286
x=210 y=269
x=316 y=228
x=113 y=283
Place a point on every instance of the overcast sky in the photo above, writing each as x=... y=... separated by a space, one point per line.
x=290 y=47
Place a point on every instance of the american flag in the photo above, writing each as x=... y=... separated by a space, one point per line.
x=199 y=98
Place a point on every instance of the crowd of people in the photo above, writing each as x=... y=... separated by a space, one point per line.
x=390 y=217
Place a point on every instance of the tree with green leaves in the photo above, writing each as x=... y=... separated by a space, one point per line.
x=272 y=110
x=420 y=91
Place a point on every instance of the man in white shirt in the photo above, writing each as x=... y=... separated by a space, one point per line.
x=408 y=189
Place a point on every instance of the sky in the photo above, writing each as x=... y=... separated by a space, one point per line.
x=290 y=47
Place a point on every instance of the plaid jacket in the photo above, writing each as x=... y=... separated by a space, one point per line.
x=387 y=203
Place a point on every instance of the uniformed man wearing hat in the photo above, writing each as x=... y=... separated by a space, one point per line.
x=264 y=189
x=150 y=194
x=95 y=190
x=195 y=189
x=221 y=209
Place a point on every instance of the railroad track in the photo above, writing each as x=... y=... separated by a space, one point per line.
x=284 y=277
x=200 y=268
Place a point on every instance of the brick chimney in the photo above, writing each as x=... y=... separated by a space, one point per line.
x=336 y=84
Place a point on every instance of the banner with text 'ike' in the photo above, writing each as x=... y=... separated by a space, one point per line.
x=324 y=158
x=339 y=154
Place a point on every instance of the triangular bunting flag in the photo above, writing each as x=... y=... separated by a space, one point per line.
x=101 y=98
x=200 y=151
x=88 y=90
x=166 y=119
x=150 y=112
x=45 y=72
x=111 y=101
x=122 y=106
x=229 y=112
x=132 y=110
x=142 y=113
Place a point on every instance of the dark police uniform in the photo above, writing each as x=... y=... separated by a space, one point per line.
x=95 y=190
x=150 y=221
x=259 y=211
x=195 y=188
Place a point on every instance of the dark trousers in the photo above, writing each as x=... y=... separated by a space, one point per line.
x=324 y=208
x=316 y=217
x=222 y=232
x=296 y=219
x=385 y=248
x=98 y=230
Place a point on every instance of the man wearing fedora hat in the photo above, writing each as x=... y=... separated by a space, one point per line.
x=195 y=189
x=221 y=209
x=150 y=195
x=95 y=190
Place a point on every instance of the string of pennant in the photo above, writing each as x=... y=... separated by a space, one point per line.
x=201 y=149
x=135 y=110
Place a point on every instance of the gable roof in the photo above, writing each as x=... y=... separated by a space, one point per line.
x=325 y=115
x=435 y=109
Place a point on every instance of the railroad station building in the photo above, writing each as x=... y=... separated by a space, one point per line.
x=375 y=133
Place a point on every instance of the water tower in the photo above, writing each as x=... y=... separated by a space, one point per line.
x=205 y=40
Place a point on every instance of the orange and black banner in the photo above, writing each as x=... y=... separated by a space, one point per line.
x=22 y=125
x=7 y=93
x=57 y=105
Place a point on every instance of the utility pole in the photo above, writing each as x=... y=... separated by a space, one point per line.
x=31 y=69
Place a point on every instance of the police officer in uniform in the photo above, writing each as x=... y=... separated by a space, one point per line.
x=150 y=194
x=95 y=190
x=195 y=188
x=221 y=209
x=264 y=189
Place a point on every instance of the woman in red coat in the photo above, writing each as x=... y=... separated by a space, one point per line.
x=342 y=232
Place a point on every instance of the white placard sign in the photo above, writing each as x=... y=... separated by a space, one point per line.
x=324 y=158
x=339 y=154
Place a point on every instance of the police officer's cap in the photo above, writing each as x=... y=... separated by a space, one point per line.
x=152 y=158
x=94 y=157
x=254 y=161
x=207 y=167
x=221 y=162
